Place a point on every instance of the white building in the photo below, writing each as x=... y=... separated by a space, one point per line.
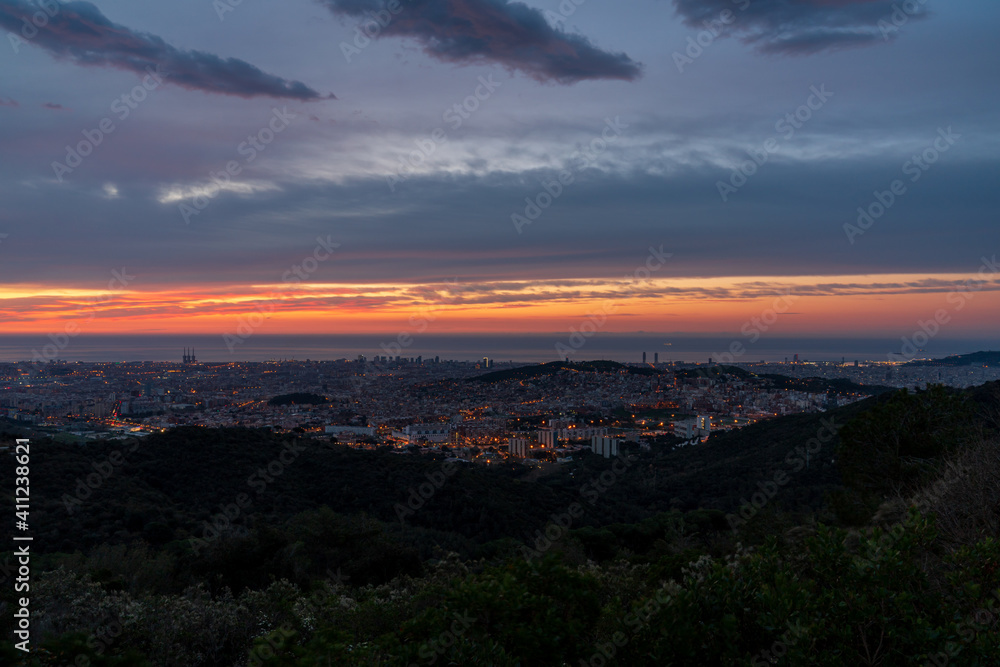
x=353 y=430
x=604 y=446
x=704 y=424
x=562 y=429
x=547 y=436
x=519 y=447
x=429 y=432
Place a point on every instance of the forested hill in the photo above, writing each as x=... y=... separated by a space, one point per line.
x=168 y=484
x=163 y=487
x=716 y=372
x=198 y=545
x=818 y=385
x=555 y=367
x=988 y=358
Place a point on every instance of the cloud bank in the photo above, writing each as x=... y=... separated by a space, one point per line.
x=804 y=26
x=493 y=31
x=80 y=33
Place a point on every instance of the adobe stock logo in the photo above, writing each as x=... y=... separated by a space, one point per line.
x=785 y=128
x=900 y=16
x=122 y=107
x=370 y=29
x=39 y=20
x=583 y=159
x=915 y=168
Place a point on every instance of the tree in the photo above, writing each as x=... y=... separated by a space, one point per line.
x=898 y=445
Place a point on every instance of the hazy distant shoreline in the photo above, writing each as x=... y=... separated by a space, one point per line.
x=626 y=348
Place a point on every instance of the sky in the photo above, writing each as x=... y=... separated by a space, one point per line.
x=353 y=166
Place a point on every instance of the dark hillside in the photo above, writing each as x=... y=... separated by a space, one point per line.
x=170 y=483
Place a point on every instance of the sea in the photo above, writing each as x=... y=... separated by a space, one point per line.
x=527 y=348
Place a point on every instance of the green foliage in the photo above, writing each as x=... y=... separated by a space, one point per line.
x=524 y=614
x=898 y=445
x=832 y=602
x=75 y=649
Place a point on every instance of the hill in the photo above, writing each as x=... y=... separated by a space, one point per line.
x=170 y=483
x=713 y=372
x=816 y=385
x=555 y=367
x=245 y=547
x=989 y=358
x=299 y=398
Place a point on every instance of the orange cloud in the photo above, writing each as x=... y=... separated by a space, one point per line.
x=817 y=305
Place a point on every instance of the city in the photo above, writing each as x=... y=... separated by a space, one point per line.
x=468 y=407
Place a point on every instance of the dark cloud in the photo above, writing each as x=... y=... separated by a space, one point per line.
x=53 y=106
x=803 y=26
x=787 y=221
x=79 y=32
x=496 y=31
x=8 y=103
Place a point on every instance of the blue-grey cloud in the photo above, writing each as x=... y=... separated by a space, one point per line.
x=79 y=32
x=492 y=31
x=803 y=26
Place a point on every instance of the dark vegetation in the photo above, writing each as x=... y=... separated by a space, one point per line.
x=300 y=398
x=867 y=535
x=818 y=385
x=989 y=358
x=713 y=372
x=554 y=367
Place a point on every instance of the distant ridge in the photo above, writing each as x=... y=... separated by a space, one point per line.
x=989 y=358
x=554 y=367
x=817 y=385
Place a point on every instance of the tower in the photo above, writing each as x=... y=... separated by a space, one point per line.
x=643 y=357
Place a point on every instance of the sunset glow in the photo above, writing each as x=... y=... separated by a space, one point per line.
x=809 y=305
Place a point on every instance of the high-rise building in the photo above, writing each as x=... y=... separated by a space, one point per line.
x=414 y=433
x=656 y=357
x=604 y=446
x=518 y=447
x=643 y=357
x=704 y=424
